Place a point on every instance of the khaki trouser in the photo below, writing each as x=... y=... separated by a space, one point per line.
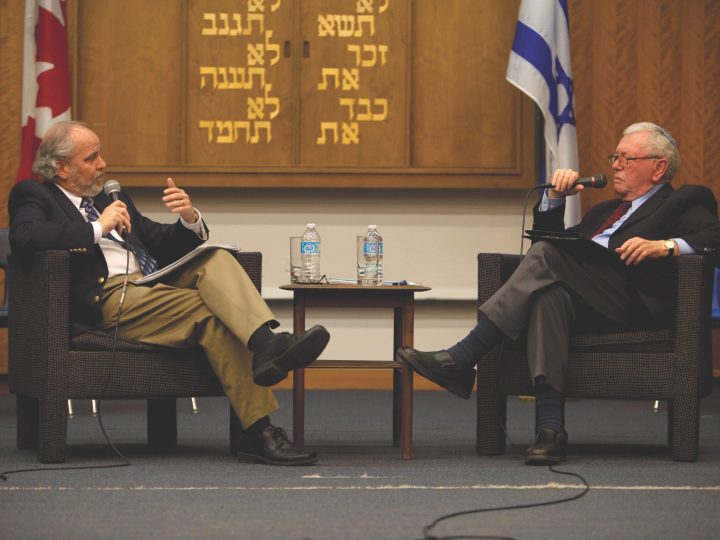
x=210 y=302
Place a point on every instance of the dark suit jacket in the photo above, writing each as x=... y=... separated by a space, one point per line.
x=689 y=212
x=43 y=218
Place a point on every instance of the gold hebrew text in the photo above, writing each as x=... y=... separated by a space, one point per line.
x=232 y=78
x=232 y=131
x=230 y=24
x=367 y=6
x=367 y=55
x=254 y=79
x=344 y=26
x=370 y=55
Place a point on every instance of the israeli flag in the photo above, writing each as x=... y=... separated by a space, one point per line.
x=539 y=66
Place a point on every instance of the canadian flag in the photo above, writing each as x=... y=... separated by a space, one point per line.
x=46 y=79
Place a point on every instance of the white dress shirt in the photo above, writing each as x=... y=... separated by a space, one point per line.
x=114 y=252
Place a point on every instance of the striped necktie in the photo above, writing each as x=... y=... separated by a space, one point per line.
x=148 y=264
x=619 y=212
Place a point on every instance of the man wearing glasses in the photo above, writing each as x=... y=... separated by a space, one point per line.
x=622 y=279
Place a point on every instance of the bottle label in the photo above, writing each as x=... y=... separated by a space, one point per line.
x=309 y=247
x=371 y=248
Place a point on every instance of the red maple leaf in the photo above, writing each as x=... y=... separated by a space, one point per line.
x=51 y=41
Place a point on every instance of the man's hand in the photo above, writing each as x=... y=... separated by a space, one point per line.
x=635 y=250
x=179 y=202
x=563 y=181
x=115 y=216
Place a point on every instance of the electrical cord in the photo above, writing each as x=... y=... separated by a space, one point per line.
x=426 y=530
x=125 y=462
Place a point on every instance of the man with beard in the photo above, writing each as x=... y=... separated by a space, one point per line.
x=209 y=302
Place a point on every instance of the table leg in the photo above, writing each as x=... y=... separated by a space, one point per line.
x=408 y=316
x=397 y=377
x=299 y=377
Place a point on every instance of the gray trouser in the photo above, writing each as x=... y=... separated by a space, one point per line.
x=538 y=299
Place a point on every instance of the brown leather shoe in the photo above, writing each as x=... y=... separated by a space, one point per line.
x=273 y=447
x=286 y=352
x=549 y=448
x=440 y=368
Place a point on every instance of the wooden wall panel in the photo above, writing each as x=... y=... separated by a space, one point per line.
x=139 y=88
x=130 y=72
x=632 y=60
x=11 y=58
x=710 y=103
x=654 y=60
x=455 y=123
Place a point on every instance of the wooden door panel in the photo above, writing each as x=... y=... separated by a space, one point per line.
x=353 y=83
x=240 y=82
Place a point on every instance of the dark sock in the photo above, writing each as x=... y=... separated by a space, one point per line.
x=548 y=408
x=258 y=427
x=472 y=347
x=260 y=337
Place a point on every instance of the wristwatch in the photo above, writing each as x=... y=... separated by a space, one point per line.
x=670 y=245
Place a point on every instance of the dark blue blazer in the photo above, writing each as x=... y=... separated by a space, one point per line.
x=689 y=212
x=43 y=218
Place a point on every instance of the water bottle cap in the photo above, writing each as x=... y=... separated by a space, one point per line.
x=310 y=225
x=372 y=227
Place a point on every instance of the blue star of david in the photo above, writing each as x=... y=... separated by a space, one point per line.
x=567 y=115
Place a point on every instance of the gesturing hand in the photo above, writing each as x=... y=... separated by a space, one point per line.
x=179 y=202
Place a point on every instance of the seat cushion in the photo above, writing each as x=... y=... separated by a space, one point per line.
x=97 y=340
x=635 y=341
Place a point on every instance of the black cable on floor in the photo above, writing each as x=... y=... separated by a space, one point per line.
x=426 y=529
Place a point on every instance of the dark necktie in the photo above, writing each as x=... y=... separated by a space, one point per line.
x=619 y=212
x=148 y=264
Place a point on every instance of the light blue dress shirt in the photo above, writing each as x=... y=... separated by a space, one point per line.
x=604 y=237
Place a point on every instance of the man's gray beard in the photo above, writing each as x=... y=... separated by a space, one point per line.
x=94 y=190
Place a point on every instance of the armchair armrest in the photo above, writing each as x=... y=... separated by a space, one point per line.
x=38 y=327
x=251 y=261
x=693 y=316
x=494 y=270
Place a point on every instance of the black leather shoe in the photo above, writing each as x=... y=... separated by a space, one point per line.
x=549 y=448
x=285 y=352
x=440 y=368
x=273 y=447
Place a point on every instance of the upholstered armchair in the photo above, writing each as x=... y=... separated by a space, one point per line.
x=672 y=364
x=47 y=367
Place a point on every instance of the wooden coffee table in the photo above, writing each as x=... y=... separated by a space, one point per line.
x=401 y=298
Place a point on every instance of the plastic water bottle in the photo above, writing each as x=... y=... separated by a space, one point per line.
x=310 y=254
x=371 y=273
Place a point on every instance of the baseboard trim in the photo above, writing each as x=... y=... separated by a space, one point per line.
x=353 y=379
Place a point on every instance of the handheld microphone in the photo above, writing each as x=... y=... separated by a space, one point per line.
x=597 y=181
x=112 y=189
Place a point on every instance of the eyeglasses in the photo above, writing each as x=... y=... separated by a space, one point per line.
x=623 y=160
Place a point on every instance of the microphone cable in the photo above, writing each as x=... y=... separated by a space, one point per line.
x=586 y=486
x=125 y=462
x=426 y=530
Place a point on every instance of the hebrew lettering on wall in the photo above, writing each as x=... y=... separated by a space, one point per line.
x=356 y=34
x=249 y=80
